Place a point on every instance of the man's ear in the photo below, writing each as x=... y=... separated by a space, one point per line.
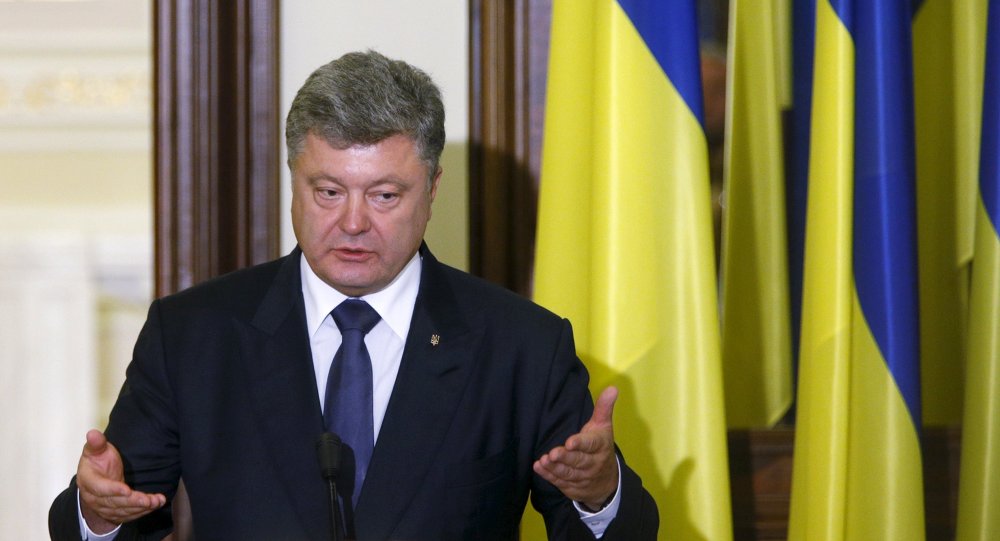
x=434 y=183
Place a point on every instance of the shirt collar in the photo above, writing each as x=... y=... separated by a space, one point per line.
x=394 y=303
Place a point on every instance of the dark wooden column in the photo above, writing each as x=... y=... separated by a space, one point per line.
x=508 y=55
x=216 y=141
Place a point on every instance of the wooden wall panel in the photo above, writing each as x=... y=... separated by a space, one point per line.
x=216 y=140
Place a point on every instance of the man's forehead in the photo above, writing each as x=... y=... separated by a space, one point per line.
x=341 y=143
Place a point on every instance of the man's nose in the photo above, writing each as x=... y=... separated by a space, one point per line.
x=355 y=219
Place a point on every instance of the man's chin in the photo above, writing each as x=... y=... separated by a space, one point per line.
x=353 y=286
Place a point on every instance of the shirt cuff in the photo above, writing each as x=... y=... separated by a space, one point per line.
x=85 y=532
x=599 y=521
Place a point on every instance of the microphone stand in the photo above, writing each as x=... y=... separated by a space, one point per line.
x=328 y=451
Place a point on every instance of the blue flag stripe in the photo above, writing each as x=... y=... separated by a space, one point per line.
x=670 y=30
x=885 y=257
x=845 y=11
x=989 y=168
x=797 y=190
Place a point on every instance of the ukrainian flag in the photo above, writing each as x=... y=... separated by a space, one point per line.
x=857 y=468
x=624 y=247
x=979 y=488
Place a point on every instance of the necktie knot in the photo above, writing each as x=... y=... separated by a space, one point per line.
x=355 y=315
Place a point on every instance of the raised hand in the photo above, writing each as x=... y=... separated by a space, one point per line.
x=585 y=468
x=105 y=500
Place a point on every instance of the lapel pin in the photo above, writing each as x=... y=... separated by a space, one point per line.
x=435 y=339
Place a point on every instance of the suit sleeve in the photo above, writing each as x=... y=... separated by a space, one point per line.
x=63 y=522
x=143 y=428
x=567 y=407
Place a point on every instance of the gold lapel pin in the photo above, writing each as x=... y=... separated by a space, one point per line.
x=435 y=339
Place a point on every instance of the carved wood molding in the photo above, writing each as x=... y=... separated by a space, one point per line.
x=216 y=153
x=508 y=53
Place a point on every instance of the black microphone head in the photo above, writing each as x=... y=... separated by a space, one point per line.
x=328 y=451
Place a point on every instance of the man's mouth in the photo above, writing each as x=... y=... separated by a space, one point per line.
x=348 y=253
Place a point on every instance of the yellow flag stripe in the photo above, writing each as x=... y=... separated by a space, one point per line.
x=948 y=52
x=756 y=339
x=979 y=481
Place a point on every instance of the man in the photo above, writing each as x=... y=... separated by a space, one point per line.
x=455 y=398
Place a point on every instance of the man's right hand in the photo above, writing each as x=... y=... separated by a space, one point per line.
x=105 y=500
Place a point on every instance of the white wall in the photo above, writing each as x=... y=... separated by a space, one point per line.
x=430 y=34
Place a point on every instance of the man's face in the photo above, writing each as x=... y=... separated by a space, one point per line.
x=359 y=213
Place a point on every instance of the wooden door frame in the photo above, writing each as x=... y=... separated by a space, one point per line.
x=216 y=142
x=508 y=53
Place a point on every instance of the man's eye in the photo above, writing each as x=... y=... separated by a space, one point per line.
x=327 y=193
x=385 y=197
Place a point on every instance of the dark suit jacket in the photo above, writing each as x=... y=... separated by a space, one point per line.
x=221 y=390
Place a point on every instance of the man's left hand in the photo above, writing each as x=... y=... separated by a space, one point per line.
x=585 y=468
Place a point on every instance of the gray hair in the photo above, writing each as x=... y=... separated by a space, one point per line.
x=363 y=98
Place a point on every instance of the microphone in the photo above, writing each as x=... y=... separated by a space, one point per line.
x=328 y=452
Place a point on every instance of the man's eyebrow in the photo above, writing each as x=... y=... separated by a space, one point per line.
x=391 y=180
x=395 y=181
x=314 y=178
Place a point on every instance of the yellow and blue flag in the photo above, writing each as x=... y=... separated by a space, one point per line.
x=624 y=246
x=857 y=471
x=979 y=488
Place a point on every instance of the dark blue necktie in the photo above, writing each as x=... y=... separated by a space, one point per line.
x=348 y=405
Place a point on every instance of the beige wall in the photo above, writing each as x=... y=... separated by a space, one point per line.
x=64 y=184
x=430 y=34
x=75 y=233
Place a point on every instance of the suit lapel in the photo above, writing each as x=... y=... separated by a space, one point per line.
x=432 y=376
x=282 y=387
